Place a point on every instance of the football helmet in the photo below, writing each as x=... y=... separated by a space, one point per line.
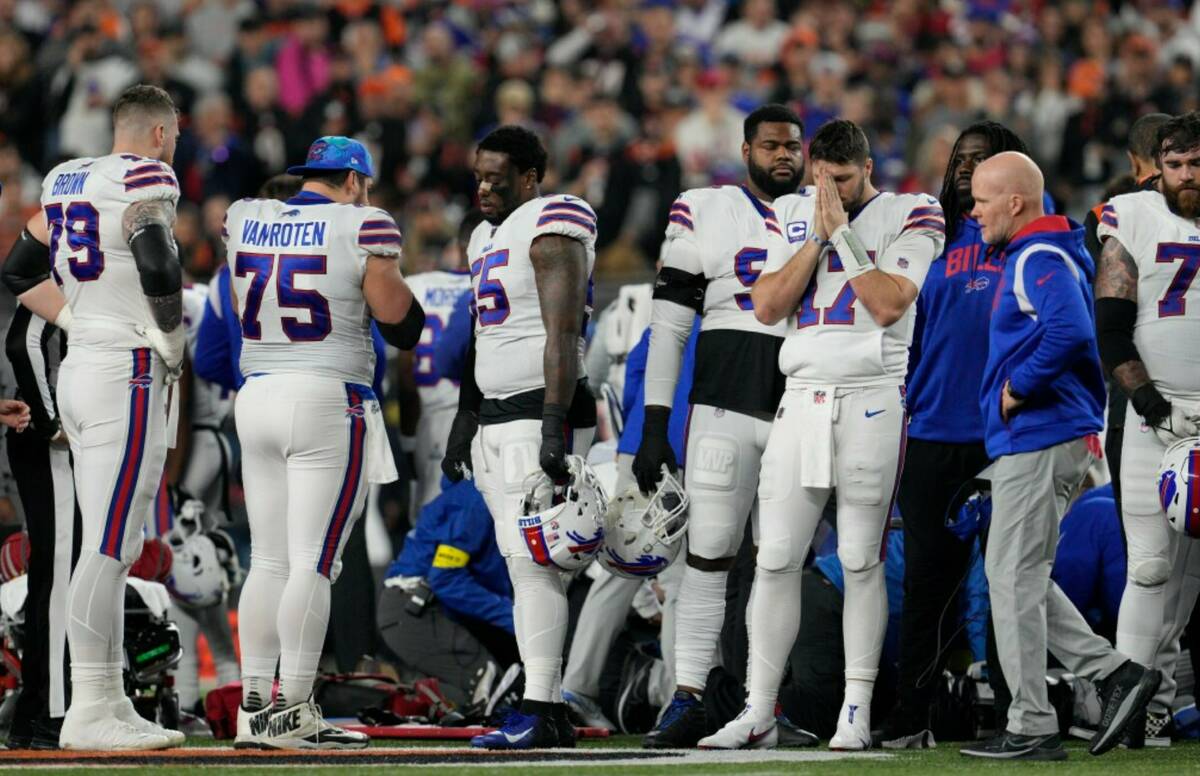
x=197 y=578
x=563 y=526
x=642 y=535
x=1179 y=486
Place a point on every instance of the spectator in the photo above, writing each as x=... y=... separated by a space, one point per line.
x=21 y=97
x=85 y=88
x=709 y=140
x=757 y=38
x=303 y=60
x=446 y=81
x=263 y=121
x=212 y=159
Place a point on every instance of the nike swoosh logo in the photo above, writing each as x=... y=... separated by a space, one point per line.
x=876 y=412
x=1042 y=280
x=514 y=739
x=754 y=738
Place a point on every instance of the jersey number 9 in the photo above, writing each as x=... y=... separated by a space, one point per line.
x=261 y=266
x=81 y=222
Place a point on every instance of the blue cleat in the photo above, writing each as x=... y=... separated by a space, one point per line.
x=682 y=726
x=520 y=731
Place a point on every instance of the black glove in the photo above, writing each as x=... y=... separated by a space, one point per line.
x=553 y=457
x=654 y=451
x=457 y=463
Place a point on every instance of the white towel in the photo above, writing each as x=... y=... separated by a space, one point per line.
x=381 y=464
x=816 y=408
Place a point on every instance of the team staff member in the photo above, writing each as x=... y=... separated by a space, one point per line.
x=945 y=433
x=1042 y=401
x=41 y=464
x=447 y=607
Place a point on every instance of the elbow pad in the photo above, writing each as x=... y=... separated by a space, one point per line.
x=153 y=250
x=406 y=334
x=1115 y=319
x=682 y=288
x=27 y=265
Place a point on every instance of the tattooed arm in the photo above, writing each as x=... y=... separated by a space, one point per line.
x=147 y=228
x=560 y=270
x=1116 y=312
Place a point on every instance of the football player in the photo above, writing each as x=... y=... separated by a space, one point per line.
x=1148 y=322
x=847 y=299
x=524 y=391
x=308 y=275
x=107 y=224
x=718 y=241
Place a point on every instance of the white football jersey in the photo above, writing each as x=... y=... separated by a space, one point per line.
x=1166 y=248
x=210 y=402
x=438 y=292
x=297 y=273
x=509 y=335
x=84 y=201
x=728 y=235
x=831 y=339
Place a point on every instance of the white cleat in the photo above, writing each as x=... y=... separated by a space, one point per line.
x=95 y=728
x=748 y=730
x=587 y=710
x=252 y=727
x=853 y=730
x=124 y=710
x=302 y=727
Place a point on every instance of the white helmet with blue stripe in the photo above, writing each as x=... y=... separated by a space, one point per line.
x=1179 y=486
x=563 y=526
x=643 y=535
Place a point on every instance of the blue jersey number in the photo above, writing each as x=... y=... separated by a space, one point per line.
x=81 y=222
x=747 y=265
x=1173 y=302
x=841 y=312
x=491 y=300
x=260 y=266
x=423 y=371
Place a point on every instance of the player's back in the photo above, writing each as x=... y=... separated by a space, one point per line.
x=298 y=269
x=833 y=339
x=438 y=292
x=84 y=201
x=509 y=334
x=1166 y=249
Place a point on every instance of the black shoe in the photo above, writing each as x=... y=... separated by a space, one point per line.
x=1011 y=746
x=791 y=736
x=682 y=726
x=563 y=726
x=45 y=733
x=1123 y=694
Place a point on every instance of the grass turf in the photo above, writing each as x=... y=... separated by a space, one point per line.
x=1181 y=758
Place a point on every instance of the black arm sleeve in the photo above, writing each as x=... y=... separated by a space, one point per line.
x=469 y=395
x=406 y=334
x=684 y=288
x=28 y=348
x=1115 y=319
x=27 y=265
x=153 y=250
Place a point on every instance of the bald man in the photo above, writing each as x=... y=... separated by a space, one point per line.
x=1042 y=400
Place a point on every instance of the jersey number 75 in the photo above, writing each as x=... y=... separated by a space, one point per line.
x=260 y=266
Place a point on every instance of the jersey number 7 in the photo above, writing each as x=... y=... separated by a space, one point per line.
x=261 y=266
x=1174 y=302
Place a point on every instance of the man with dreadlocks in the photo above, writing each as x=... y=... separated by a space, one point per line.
x=945 y=443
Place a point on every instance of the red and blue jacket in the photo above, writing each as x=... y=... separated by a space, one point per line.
x=1042 y=340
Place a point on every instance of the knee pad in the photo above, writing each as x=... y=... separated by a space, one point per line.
x=273 y=567
x=1152 y=572
x=778 y=557
x=858 y=557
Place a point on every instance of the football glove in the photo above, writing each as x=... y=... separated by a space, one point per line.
x=170 y=346
x=1181 y=422
x=655 y=450
x=457 y=462
x=553 y=455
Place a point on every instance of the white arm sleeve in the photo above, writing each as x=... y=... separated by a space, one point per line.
x=670 y=327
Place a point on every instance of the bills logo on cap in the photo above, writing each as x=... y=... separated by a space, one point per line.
x=317 y=151
x=797 y=231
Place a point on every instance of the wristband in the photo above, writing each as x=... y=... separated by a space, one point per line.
x=554 y=421
x=64 y=318
x=851 y=251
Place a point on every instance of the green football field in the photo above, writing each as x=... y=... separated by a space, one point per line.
x=617 y=755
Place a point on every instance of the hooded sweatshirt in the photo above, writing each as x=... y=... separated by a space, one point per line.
x=1042 y=340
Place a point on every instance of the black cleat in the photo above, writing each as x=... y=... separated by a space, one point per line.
x=1123 y=694
x=45 y=733
x=563 y=726
x=1011 y=746
x=682 y=726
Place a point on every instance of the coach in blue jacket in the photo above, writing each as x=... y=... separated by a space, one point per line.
x=1042 y=401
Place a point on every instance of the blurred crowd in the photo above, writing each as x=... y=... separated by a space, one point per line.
x=636 y=99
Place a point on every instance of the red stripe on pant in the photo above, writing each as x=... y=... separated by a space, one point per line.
x=131 y=460
x=1191 y=502
x=345 y=502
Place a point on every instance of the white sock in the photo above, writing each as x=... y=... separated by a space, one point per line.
x=776 y=618
x=96 y=601
x=89 y=683
x=258 y=609
x=698 y=619
x=1140 y=622
x=540 y=615
x=302 y=622
x=864 y=622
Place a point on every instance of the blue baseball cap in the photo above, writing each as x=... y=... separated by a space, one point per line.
x=334 y=152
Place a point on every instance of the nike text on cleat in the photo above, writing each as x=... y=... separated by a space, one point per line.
x=300 y=727
x=251 y=727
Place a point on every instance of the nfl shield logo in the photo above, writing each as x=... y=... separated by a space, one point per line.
x=902 y=263
x=818 y=397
